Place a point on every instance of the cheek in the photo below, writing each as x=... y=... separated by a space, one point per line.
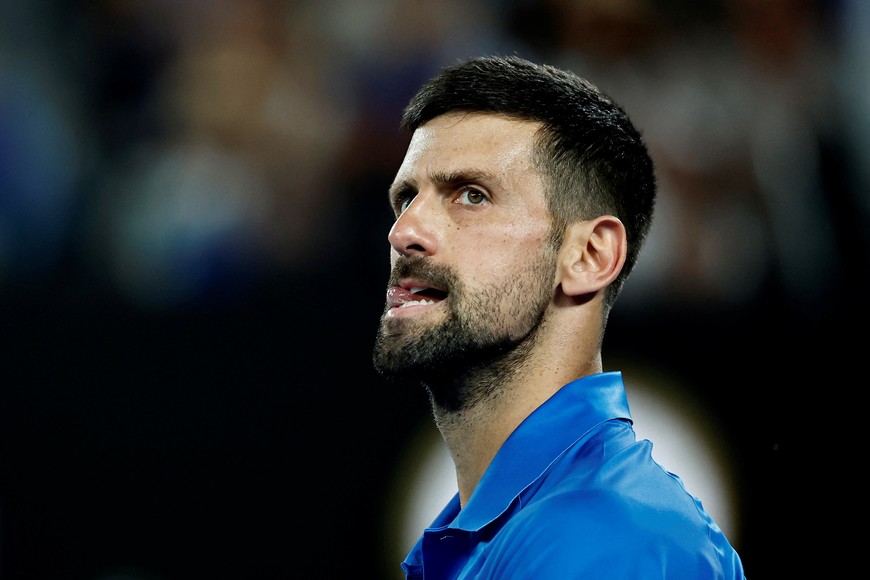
x=508 y=254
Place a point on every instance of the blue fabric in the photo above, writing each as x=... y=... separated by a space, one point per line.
x=572 y=494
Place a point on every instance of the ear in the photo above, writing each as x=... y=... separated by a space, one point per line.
x=593 y=253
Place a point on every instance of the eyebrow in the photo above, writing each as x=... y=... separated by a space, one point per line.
x=443 y=179
x=448 y=178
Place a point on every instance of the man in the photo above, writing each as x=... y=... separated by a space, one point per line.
x=521 y=205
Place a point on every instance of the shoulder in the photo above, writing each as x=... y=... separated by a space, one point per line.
x=565 y=515
x=600 y=533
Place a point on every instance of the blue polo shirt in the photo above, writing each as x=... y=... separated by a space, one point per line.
x=572 y=494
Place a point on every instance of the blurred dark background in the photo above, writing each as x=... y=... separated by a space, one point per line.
x=193 y=259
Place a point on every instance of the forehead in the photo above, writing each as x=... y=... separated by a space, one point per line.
x=497 y=143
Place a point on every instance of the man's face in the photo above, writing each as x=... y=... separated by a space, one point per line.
x=472 y=269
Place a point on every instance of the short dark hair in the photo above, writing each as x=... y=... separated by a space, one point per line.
x=592 y=158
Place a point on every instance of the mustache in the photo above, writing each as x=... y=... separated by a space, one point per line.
x=420 y=268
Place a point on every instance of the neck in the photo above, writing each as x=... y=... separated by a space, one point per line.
x=497 y=399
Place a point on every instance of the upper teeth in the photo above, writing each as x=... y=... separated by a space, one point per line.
x=415 y=290
x=417 y=303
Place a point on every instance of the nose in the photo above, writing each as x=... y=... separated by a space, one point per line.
x=413 y=232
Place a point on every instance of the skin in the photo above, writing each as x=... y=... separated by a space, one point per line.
x=515 y=318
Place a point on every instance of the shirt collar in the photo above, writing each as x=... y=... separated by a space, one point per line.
x=542 y=437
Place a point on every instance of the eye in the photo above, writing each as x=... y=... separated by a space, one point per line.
x=471 y=196
x=401 y=203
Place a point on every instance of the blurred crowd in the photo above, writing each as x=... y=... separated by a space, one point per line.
x=177 y=152
x=166 y=157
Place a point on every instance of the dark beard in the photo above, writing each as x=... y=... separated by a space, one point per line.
x=463 y=359
x=450 y=360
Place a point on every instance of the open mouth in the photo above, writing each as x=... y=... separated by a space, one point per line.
x=428 y=295
x=406 y=295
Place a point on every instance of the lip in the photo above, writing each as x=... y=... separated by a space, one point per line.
x=416 y=291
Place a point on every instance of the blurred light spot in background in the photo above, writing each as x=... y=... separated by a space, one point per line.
x=685 y=440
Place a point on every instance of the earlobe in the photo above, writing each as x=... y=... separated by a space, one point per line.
x=593 y=255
